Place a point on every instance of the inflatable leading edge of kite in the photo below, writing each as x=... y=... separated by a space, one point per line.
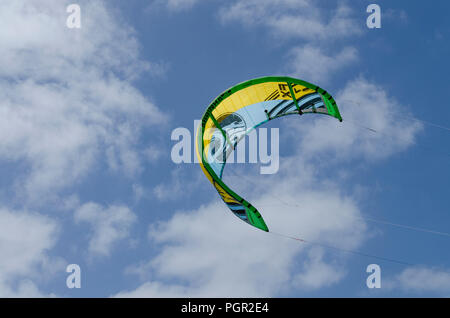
x=237 y=111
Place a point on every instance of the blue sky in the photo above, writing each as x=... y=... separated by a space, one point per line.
x=85 y=144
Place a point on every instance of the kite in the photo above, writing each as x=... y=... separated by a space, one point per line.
x=238 y=111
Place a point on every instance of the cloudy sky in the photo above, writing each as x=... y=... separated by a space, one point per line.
x=86 y=116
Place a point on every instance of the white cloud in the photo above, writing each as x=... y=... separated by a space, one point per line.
x=23 y=289
x=153 y=153
x=108 y=226
x=362 y=104
x=317 y=57
x=172 y=5
x=293 y=18
x=67 y=102
x=178 y=5
x=155 y=289
x=180 y=185
x=210 y=252
x=67 y=97
x=317 y=273
x=422 y=279
x=25 y=239
x=138 y=192
x=317 y=24
x=313 y=64
x=395 y=15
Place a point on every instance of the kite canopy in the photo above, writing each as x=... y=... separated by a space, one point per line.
x=237 y=111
